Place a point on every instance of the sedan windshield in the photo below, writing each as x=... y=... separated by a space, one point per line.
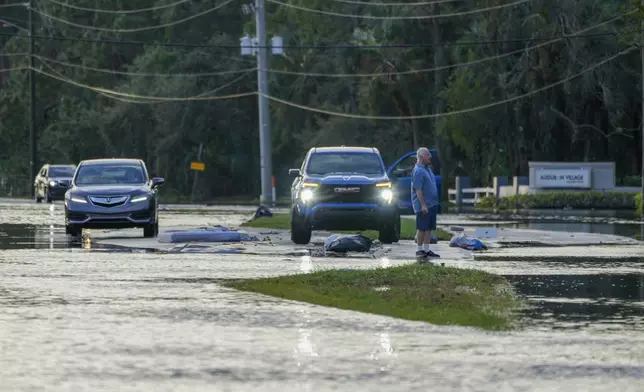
x=61 y=171
x=110 y=174
x=344 y=163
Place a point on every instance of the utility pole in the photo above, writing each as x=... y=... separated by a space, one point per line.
x=642 y=120
x=256 y=46
x=33 y=160
x=265 y=149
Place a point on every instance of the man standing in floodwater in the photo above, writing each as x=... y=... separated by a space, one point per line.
x=424 y=199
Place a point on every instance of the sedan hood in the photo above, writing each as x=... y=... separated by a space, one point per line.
x=108 y=189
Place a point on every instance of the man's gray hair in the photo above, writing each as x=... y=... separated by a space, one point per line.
x=421 y=151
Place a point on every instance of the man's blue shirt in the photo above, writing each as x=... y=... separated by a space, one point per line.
x=422 y=178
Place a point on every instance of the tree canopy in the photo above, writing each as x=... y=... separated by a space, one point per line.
x=492 y=84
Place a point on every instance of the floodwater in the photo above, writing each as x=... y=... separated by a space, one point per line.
x=94 y=319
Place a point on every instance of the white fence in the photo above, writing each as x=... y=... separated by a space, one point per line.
x=501 y=187
x=469 y=195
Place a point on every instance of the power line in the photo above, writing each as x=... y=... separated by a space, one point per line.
x=463 y=111
x=3 y=70
x=152 y=74
x=143 y=97
x=322 y=47
x=119 y=12
x=398 y=4
x=137 y=29
x=131 y=98
x=437 y=16
x=14 y=54
x=579 y=34
x=467 y=63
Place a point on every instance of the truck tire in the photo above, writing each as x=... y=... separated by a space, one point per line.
x=390 y=232
x=300 y=229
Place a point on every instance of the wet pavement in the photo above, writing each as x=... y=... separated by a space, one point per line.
x=85 y=316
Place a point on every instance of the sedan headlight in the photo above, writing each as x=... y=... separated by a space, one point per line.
x=78 y=199
x=140 y=198
x=387 y=195
x=306 y=195
x=53 y=183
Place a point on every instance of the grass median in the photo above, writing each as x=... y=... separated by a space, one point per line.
x=283 y=222
x=438 y=295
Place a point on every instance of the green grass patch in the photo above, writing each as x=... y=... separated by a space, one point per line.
x=576 y=200
x=438 y=295
x=283 y=222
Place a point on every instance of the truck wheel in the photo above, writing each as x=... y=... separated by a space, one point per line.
x=300 y=229
x=390 y=231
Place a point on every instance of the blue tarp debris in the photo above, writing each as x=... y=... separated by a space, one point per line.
x=206 y=234
x=465 y=242
x=347 y=243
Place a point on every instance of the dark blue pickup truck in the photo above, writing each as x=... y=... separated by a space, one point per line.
x=350 y=188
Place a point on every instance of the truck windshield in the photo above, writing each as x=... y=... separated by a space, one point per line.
x=344 y=162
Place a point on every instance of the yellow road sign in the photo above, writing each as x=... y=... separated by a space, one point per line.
x=198 y=166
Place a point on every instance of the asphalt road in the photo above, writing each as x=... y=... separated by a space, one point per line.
x=102 y=320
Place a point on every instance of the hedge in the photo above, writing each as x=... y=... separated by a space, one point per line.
x=559 y=200
x=640 y=203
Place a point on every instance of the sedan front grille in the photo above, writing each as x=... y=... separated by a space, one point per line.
x=108 y=201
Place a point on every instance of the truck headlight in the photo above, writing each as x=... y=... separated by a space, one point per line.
x=387 y=195
x=306 y=195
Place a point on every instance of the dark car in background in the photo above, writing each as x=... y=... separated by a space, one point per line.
x=52 y=181
x=112 y=194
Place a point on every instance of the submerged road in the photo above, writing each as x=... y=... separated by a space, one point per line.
x=104 y=320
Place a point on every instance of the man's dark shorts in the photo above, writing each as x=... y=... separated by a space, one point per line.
x=428 y=221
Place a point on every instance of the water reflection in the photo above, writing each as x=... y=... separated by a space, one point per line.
x=384 y=352
x=306 y=264
x=633 y=230
x=305 y=349
x=576 y=301
x=34 y=237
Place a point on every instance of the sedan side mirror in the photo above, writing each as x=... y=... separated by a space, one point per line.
x=294 y=172
x=157 y=181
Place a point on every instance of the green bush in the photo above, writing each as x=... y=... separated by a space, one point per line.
x=639 y=200
x=630 y=181
x=559 y=200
